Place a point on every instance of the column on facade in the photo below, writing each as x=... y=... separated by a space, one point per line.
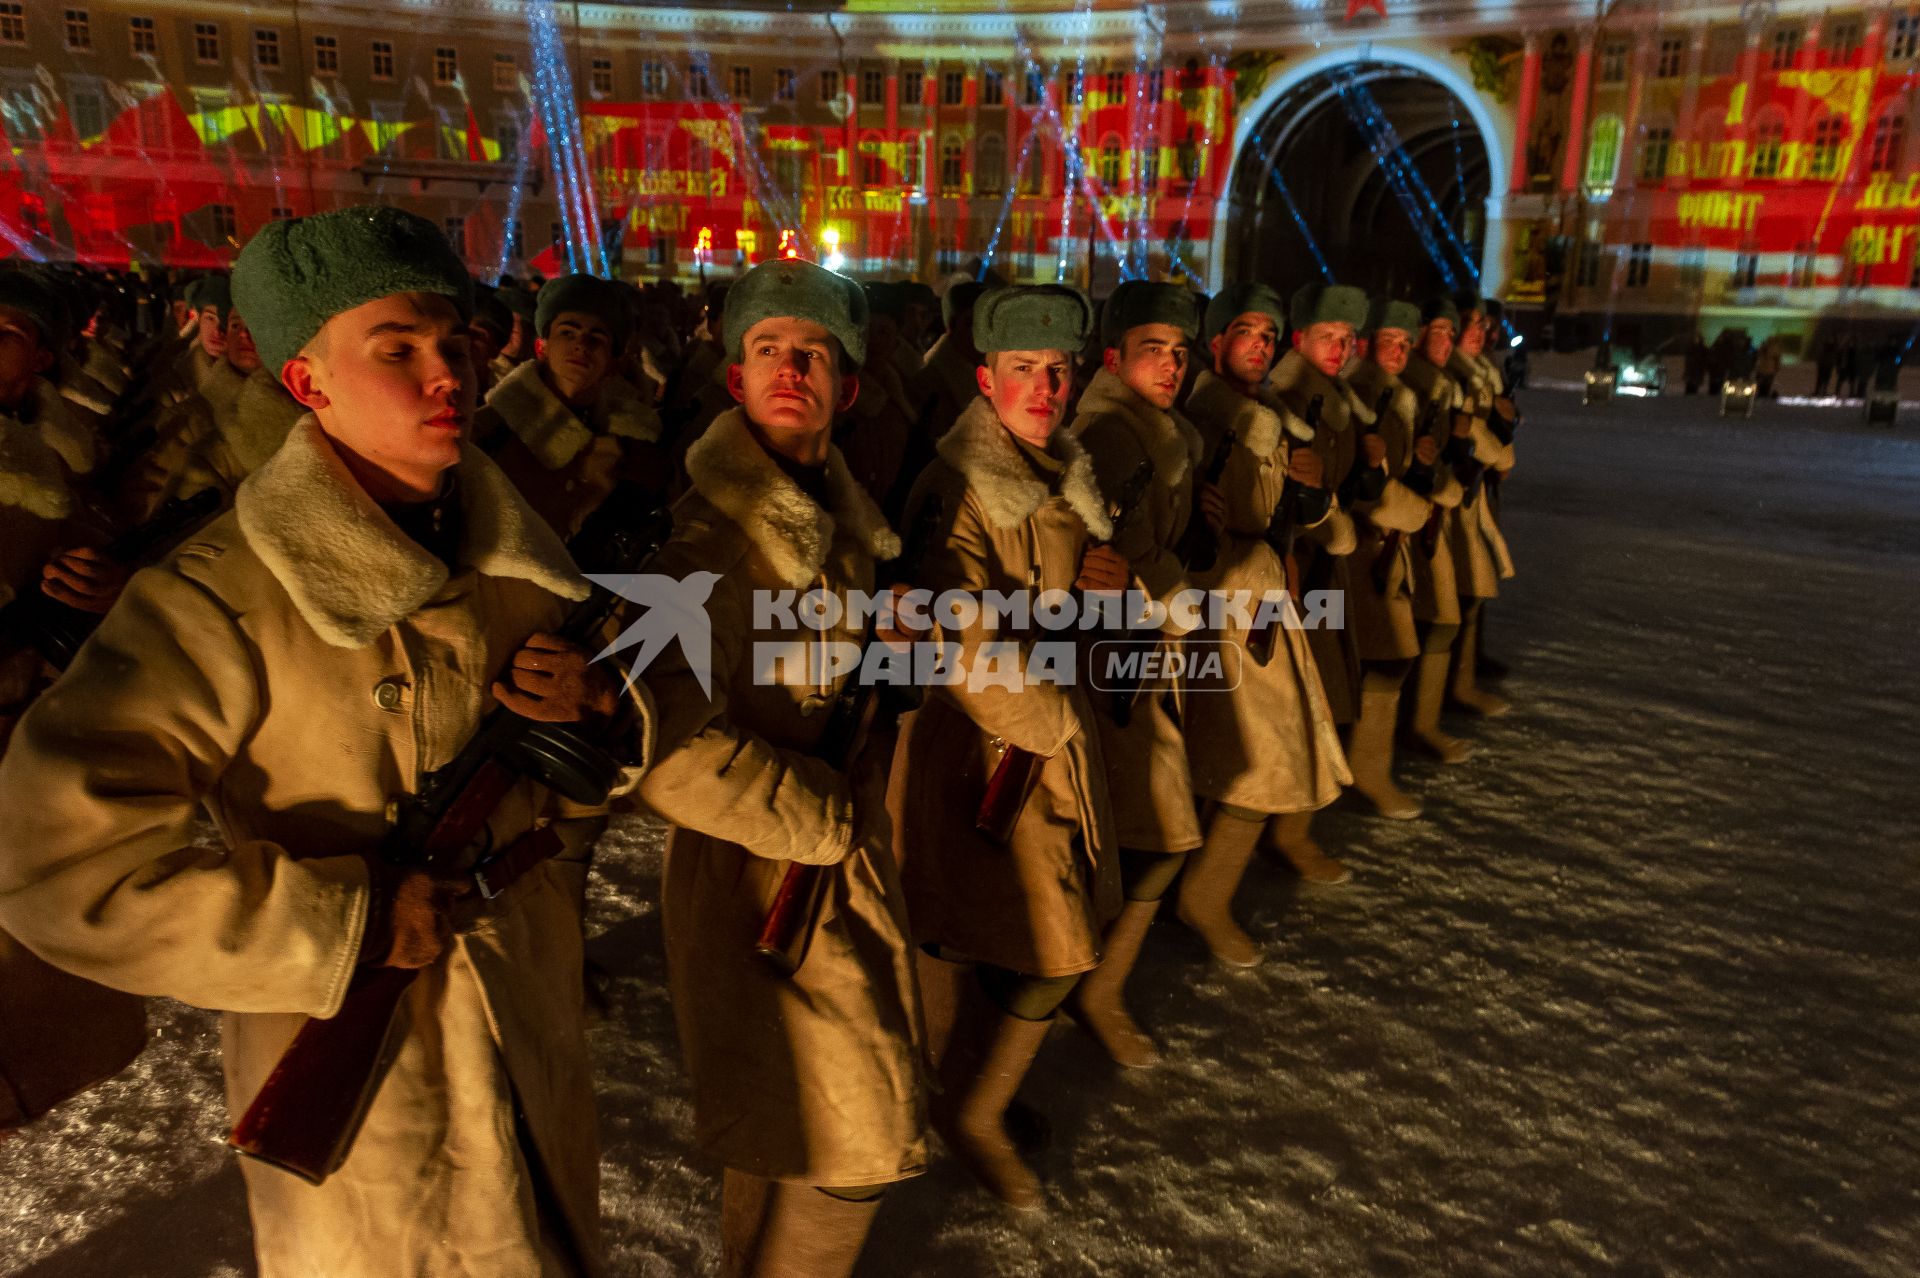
x=1577 y=114
x=1523 y=113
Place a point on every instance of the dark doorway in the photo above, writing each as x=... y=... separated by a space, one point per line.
x=1370 y=168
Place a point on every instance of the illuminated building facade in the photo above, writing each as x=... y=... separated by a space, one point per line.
x=1634 y=165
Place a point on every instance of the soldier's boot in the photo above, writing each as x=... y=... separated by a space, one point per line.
x=1465 y=690
x=1207 y=884
x=1293 y=839
x=1098 y=1002
x=1429 y=691
x=986 y=1059
x=773 y=1230
x=940 y=986
x=1370 y=754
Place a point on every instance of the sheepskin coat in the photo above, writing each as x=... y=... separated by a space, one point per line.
x=36 y=521
x=1269 y=743
x=1147 y=759
x=563 y=462
x=1039 y=904
x=191 y=450
x=1380 y=596
x=1325 y=550
x=1480 y=555
x=292 y=669
x=1436 y=594
x=813 y=1078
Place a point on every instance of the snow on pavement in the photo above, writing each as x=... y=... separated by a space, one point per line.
x=1637 y=997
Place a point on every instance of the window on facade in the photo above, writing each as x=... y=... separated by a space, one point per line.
x=1036 y=91
x=953 y=88
x=1587 y=273
x=1828 y=134
x=1746 y=268
x=1116 y=87
x=141 y=37
x=1110 y=163
x=89 y=115
x=653 y=79
x=506 y=134
x=326 y=55
x=266 y=50
x=873 y=169
x=699 y=81
x=910 y=147
x=225 y=224
x=990 y=164
x=1603 y=152
x=13 y=25
x=1768 y=138
x=1639 y=265
x=873 y=88
x=657 y=246
x=1889 y=139
x=79 y=30
x=1903 y=44
x=1801 y=273
x=740 y=85
x=1033 y=176
x=1150 y=169
x=913 y=87
x=206 y=42
x=783 y=84
x=382 y=51
x=446 y=65
x=1613 y=62
x=830 y=86
x=993 y=90
x=1786 y=47
x=1653 y=154
x=1673 y=57
x=953 y=165
x=1841 y=38
x=600 y=77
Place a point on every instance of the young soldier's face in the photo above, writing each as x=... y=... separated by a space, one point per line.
x=392 y=382
x=789 y=377
x=23 y=356
x=1028 y=391
x=1436 y=342
x=1391 y=346
x=1244 y=352
x=1327 y=345
x=1152 y=360
x=181 y=312
x=240 y=349
x=213 y=336
x=578 y=352
x=1473 y=338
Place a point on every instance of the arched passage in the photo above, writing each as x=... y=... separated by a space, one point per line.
x=1378 y=167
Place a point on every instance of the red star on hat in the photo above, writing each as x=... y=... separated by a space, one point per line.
x=1355 y=6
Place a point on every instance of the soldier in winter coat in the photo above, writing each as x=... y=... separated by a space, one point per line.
x=1481 y=558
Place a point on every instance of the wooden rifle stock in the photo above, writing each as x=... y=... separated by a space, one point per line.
x=306 y=1115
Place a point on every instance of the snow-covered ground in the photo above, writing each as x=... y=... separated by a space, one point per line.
x=1637 y=997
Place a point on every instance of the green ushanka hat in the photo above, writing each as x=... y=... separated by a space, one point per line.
x=605 y=300
x=1328 y=304
x=1138 y=302
x=29 y=292
x=1037 y=317
x=1235 y=300
x=491 y=313
x=1388 y=313
x=1467 y=303
x=212 y=290
x=804 y=291
x=960 y=298
x=294 y=276
x=1440 y=307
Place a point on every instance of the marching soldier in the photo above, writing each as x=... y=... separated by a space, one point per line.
x=1479 y=548
x=806 y=1086
x=1267 y=749
x=1126 y=421
x=317 y=651
x=1381 y=593
x=1009 y=919
x=1308 y=380
x=564 y=426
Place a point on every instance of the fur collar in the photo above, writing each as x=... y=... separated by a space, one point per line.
x=729 y=468
x=258 y=421
x=1370 y=381
x=952 y=371
x=1431 y=382
x=1256 y=421
x=1166 y=437
x=63 y=432
x=553 y=432
x=32 y=477
x=1294 y=373
x=350 y=571
x=981 y=449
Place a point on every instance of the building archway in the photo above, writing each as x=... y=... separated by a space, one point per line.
x=1309 y=190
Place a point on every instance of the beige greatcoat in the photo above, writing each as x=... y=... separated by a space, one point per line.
x=1383 y=620
x=1480 y=556
x=1039 y=904
x=1146 y=760
x=1326 y=549
x=1269 y=744
x=812 y=1079
x=564 y=465
x=212 y=440
x=292 y=669
x=1436 y=594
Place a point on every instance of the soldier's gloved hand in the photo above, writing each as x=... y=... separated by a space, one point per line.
x=554 y=681
x=84 y=578
x=1213 y=507
x=894 y=627
x=411 y=919
x=1103 y=568
x=1305 y=468
x=1374 y=447
x=1462 y=426
x=1426 y=450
